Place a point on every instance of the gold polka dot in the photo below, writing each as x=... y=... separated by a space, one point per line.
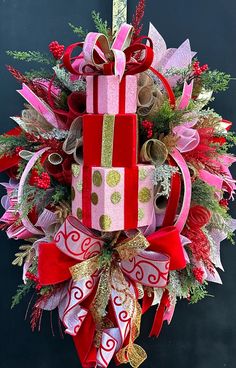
x=72 y=193
x=97 y=178
x=144 y=195
x=94 y=198
x=115 y=197
x=105 y=222
x=75 y=170
x=142 y=174
x=113 y=178
x=140 y=214
x=79 y=213
x=79 y=186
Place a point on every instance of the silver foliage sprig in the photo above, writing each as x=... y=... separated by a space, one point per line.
x=162 y=178
x=64 y=78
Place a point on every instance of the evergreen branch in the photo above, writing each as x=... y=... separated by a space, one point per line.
x=8 y=143
x=204 y=195
x=214 y=80
x=38 y=74
x=60 y=193
x=23 y=255
x=165 y=117
x=100 y=25
x=78 y=30
x=31 y=56
x=32 y=197
x=21 y=291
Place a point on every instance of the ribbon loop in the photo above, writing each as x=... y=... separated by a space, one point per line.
x=99 y=58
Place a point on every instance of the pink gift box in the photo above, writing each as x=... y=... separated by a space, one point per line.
x=111 y=199
x=107 y=95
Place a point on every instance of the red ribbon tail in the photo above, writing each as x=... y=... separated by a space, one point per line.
x=147 y=302
x=84 y=343
x=7 y=162
x=159 y=317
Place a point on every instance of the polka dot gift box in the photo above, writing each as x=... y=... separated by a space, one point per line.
x=111 y=199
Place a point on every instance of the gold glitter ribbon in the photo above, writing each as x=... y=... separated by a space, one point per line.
x=125 y=250
x=133 y=354
x=107 y=140
x=119 y=14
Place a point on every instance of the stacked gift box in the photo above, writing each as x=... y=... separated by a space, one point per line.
x=111 y=191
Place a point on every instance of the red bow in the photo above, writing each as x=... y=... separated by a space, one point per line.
x=57 y=257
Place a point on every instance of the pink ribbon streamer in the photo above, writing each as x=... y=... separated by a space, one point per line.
x=182 y=217
x=40 y=106
x=186 y=95
x=25 y=220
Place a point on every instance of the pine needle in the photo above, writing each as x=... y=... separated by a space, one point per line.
x=31 y=56
x=100 y=25
x=78 y=30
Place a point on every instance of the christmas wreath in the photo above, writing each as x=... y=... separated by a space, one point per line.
x=119 y=184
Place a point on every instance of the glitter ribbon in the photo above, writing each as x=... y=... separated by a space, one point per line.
x=119 y=14
x=122 y=251
x=107 y=140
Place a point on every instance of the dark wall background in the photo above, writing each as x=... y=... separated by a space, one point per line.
x=200 y=336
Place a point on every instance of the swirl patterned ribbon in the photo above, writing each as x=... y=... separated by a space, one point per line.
x=105 y=274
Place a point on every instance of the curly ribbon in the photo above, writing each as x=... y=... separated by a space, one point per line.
x=154 y=151
x=74 y=139
x=25 y=220
x=182 y=217
x=108 y=271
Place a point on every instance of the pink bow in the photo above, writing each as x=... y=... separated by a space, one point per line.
x=188 y=137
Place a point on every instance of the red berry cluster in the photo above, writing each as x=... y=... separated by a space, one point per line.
x=148 y=127
x=224 y=202
x=43 y=181
x=56 y=49
x=18 y=149
x=31 y=276
x=198 y=274
x=197 y=69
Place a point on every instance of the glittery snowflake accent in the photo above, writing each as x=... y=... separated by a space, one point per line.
x=162 y=178
x=64 y=78
x=174 y=287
